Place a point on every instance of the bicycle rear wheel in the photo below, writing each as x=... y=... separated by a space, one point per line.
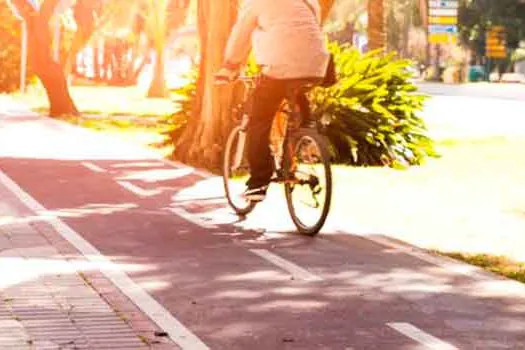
x=308 y=184
x=236 y=171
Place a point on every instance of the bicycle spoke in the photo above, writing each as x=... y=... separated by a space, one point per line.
x=309 y=192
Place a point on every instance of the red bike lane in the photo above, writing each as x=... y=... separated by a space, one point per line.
x=234 y=284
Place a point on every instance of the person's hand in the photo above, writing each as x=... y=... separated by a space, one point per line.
x=226 y=75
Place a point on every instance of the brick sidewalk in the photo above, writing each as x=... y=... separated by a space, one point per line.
x=51 y=297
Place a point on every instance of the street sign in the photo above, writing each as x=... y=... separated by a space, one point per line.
x=495 y=42
x=448 y=4
x=442 y=38
x=443 y=12
x=439 y=28
x=442 y=20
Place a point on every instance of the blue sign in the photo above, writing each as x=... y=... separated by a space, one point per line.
x=443 y=29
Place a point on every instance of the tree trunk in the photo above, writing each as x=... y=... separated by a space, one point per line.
x=97 y=75
x=158 y=84
x=326 y=7
x=376 y=25
x=158 y=30
x=202 y=142
x=49 y=71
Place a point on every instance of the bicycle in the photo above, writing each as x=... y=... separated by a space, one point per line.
x=296 y=151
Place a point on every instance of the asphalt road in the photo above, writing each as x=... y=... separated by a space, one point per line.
x=480 y=90
x=251 y=284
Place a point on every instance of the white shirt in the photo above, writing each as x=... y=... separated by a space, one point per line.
x=286 y=35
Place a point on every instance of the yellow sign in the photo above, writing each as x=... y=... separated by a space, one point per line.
x=496 y=46
x=443 y=20
x=497 y=54
x=442 y=38
x=495 y=42
x=497 y=28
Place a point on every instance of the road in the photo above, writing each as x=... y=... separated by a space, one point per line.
x=254 y=284
x=481 y=90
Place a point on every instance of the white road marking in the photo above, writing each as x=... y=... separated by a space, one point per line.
x=93 y=167
x=155 y=311
x=295 y=270
x=137 y=190
x=183 y=213
x=425 y=339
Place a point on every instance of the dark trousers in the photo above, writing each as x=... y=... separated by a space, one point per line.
x=268 y=97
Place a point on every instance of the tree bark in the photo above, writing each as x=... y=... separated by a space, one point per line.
x=202 y=142
x=376 y=25
x=158 y=84
x=48 y=70
x=326 y=7
x=41 y=59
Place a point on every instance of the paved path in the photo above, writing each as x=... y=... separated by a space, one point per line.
x=479 y=90
x=53 y=298
x=166 y=240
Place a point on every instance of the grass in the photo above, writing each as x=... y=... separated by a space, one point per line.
x=124 y=112
x=496 y=264
x=104 y=100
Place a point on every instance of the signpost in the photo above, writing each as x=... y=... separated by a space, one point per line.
x=442 y=21
x=496 y=46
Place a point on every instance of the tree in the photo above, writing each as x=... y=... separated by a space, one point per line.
x=202 y=141
x=476 y=16
x=161 y=16
x=49 y=72
x=376 y=25
x=402 y=16
x=343 y=19
x=9 y=50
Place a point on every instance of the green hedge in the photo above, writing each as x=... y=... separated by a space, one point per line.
x=371 y=113
x=9 y=49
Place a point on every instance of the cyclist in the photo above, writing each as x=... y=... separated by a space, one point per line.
x=288 y=43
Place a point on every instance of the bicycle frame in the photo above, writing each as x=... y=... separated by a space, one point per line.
x=292 y=133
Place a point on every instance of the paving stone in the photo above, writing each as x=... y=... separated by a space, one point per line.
x=13 y=334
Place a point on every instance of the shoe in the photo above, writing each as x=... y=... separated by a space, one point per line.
x=256 y=194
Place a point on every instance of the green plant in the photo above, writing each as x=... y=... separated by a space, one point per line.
x=186 y=97
x=9 y=49
x=518 y=55
x=371 y=113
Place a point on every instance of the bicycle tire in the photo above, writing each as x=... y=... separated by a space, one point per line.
x=292 y=144
x=229 y=152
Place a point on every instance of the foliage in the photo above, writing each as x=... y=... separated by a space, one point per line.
x=9 y=49
x=371 y=113
x=518 y=55
x=186 y=97
x=496 y=264
x=476 y=16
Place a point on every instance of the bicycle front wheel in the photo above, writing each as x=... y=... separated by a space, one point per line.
x=308 y=181
x=236 y=171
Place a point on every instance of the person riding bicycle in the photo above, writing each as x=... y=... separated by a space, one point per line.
x=288 y=43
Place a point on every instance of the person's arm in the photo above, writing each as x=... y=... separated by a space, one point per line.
x=239 y=43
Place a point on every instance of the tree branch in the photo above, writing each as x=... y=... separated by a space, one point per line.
x=23 y=7
x=48 y=8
